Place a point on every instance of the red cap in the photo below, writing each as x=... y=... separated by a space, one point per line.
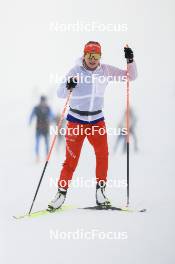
x=92 y=48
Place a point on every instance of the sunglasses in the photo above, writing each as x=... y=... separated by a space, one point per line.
x=96 y=56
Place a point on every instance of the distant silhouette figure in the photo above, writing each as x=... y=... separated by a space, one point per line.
x=122 y=137
x=44 y=116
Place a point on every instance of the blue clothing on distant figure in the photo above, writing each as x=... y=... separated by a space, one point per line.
x=43 y=116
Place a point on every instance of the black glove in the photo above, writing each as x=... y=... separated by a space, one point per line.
x=129 y=55
x=71 y=83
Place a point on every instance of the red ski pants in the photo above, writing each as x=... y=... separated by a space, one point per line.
x=75 y=135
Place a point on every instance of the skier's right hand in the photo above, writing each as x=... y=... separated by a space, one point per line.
x=71 y=83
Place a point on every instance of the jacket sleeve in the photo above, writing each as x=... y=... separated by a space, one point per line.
x=62 y=91
x=33 y=113
x=119 y=74
x=52 y=117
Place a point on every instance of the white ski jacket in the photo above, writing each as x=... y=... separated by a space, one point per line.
x=88 y=95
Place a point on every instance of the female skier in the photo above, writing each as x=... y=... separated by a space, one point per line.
x=88 y=80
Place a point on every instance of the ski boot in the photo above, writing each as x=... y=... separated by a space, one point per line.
x=101 y=199
x=58 y=200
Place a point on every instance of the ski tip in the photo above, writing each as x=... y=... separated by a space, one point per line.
x=20 y=217
x=142 y=210
x=17 y=217
x=128 y=209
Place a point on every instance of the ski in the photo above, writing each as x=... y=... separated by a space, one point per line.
x=65 y=208
x=114 y=208
x=45 y=212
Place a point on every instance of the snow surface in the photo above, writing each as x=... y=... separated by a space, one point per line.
x=31 y=54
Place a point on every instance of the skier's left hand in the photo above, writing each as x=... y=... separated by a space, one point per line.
x=71 y=83
x=129 y=55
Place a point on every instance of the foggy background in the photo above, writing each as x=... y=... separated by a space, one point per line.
x=32 y=53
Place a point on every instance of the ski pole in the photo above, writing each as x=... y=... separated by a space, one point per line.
x=127 y=127
x=51 y=148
